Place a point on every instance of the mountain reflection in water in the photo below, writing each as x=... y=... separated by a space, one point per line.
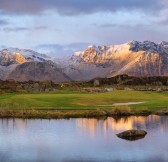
x=86 y=140
x=120 y=124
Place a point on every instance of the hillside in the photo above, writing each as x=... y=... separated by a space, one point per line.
x=24 y=65
x=133 y=58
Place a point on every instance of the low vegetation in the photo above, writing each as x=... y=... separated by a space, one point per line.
x=95 y=98
x=61 y=104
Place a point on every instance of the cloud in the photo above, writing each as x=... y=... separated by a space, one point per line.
x=74 y=7
x=107 y=25
x=2 y=47
x=163 y=20
x=3 y=22
x=111 y=25
x=15 y=29
x=60 y=50
x=23 y=29
x=40 y=28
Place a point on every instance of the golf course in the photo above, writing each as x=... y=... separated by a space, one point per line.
x=74 y=101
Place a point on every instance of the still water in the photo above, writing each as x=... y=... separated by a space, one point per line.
x=83 y=140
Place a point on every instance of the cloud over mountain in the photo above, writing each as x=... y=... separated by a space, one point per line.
x=3 y=22
x=75 y=7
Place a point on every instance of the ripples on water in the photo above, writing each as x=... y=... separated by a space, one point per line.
x=83 y=140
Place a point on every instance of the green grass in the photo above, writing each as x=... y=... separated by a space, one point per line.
x=77 y=100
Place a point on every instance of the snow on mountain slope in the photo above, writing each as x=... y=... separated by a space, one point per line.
x=22 y=65
x=17 y=56
x=104 y=54
x=132 y=58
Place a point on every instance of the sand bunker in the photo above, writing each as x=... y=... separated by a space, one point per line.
x=124 y=104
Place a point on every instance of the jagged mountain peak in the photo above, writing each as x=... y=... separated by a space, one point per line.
x=134 y=46
x=164 y=44
x=135 y=58
x=10 y=56
x=25 y=64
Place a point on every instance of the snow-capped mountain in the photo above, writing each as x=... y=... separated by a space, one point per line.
x=14 y=55
x=103 y=54
x=132 y=58
x=23 y=65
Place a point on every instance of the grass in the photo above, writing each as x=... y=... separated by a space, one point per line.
x=78 y=100
x=66 y=104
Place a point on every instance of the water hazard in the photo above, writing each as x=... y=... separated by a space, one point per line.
x=83 y=140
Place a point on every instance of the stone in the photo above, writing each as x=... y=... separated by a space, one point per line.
x=159 y=89
x=110 y=89
x=132 y=134
x=36 y=86
x=96 y=83
x=128 y=89
x=157 y=83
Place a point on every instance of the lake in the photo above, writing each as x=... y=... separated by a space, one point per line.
x=83 y=140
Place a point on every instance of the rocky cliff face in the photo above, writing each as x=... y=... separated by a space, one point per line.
x=38 y=71
x=15 y=58
x=133 y=58
x=24 y=65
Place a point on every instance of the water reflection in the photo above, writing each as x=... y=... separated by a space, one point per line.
x=83 y=140
x=132 y=138
x=120 y=124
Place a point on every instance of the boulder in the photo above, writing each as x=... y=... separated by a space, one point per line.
x=128 y=89
x=110 y=89
x=132 y=134
x=96 y=83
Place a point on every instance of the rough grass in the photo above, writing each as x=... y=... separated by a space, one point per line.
x=77 y=100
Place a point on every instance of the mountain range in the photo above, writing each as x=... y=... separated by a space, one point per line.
x=133 y=58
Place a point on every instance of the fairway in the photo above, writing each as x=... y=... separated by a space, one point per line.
x=77 y=100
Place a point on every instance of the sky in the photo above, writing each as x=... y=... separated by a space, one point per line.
x=60 y=27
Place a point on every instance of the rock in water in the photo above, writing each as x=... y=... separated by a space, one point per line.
x=132 y=134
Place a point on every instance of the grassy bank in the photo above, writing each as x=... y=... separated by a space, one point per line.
x=62 y=104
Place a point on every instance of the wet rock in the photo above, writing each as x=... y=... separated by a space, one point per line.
x=133 y=138
x=132 y=134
